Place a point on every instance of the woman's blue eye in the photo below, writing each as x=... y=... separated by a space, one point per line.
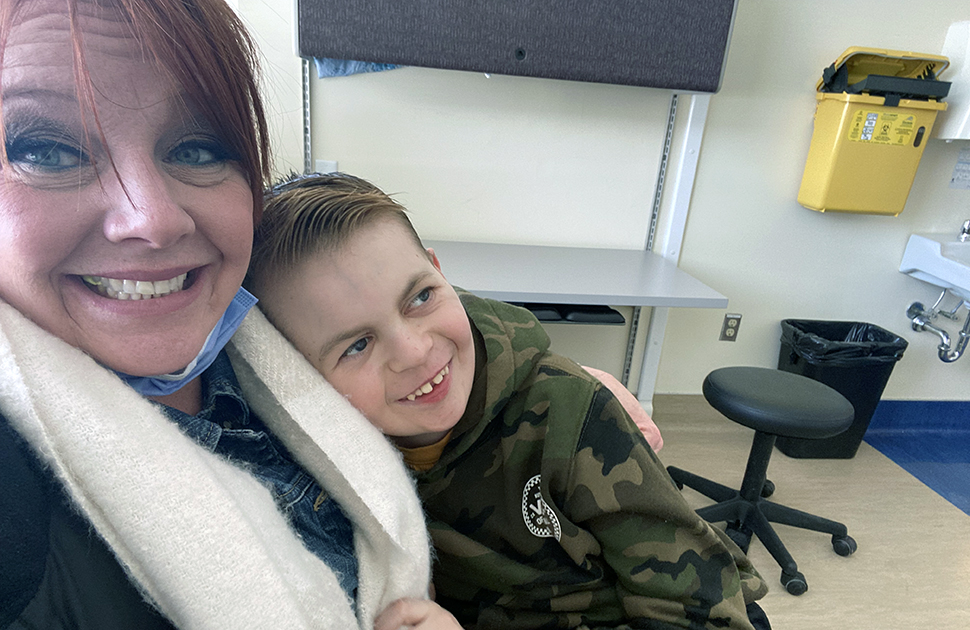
x=421 y=297
x=199 y=152
x=46 y=154
x=357 y=347
x=196 y=155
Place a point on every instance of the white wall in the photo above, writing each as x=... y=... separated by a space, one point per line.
x=271 y=24
x=536 y=161
x=748 y=237
x=500 y=158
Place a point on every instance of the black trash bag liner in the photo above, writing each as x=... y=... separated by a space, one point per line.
x=841 y=343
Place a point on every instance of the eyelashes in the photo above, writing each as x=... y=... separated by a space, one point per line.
x=38 y=141
x=45 y=156
x=200 y=161
x=357 y=347
x=44 y=153
x=422 y=297
x=199 y=151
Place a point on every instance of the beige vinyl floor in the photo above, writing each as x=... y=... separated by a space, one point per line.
x=912 y=567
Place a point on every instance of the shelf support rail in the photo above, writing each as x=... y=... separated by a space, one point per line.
x=631 y=340
x=674 y=224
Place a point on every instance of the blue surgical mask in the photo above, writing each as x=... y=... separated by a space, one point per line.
x=165 y=384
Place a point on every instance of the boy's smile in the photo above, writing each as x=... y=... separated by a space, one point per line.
x=378 y=319
x=434 y=390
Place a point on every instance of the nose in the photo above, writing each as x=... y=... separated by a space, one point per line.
x=410 y=348
x=142 y=205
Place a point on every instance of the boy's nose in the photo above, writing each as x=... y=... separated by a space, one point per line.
x=141 y=205
x=411 y=349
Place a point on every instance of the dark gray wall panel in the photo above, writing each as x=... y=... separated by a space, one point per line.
x=673 y=44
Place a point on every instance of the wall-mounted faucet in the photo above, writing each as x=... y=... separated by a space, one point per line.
x=921 y=318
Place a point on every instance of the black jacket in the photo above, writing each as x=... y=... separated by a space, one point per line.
x=55 y=572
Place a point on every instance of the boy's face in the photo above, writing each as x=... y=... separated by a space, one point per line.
x=378 y=319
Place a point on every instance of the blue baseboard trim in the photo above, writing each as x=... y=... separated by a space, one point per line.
x=928 y=439
x=921 y=415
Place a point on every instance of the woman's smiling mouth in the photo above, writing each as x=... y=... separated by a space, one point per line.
x=124 y=289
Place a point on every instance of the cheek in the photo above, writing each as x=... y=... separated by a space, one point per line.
x=459 y=331
x=226 y=217
x=235 y=212
x=461 y=336
x=362 y=389
x=37 y=232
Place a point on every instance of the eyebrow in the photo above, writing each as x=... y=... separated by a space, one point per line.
x=184 y=120
x=39 y=104
x=38 y=93
x=184 y=116
x=340 y=337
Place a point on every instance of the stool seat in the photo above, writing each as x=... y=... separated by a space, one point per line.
x=772 y=403
x=779 y=403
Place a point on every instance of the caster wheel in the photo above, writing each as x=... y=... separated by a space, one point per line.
x=768 y=489
x=740 y=536
x=794 y=583
x=844 y=545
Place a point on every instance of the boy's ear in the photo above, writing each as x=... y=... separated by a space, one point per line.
x=434 y=260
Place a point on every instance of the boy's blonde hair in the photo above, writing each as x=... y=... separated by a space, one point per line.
x=308 y=214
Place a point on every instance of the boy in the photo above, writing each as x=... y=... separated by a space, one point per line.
x=546 y=506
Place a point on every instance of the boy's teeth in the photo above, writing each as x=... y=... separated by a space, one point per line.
x=124 y=289
x=429 y=386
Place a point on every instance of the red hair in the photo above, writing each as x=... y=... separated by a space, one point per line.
x=204 y=47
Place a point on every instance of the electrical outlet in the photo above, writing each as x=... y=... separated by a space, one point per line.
x=730 y=326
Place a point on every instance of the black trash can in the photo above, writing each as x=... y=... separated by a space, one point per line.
x=855 y=359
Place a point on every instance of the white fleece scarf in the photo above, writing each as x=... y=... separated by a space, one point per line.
x=202 y=538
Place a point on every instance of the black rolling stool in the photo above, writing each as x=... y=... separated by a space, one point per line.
x=772 y=403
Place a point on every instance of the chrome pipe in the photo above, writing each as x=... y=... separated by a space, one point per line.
x=949 y=356
x=920 y=319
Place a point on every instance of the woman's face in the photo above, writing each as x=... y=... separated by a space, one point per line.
x=133 y=270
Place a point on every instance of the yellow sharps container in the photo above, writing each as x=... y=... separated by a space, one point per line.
x=874 y=113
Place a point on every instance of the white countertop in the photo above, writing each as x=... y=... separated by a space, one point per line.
x=571 y=275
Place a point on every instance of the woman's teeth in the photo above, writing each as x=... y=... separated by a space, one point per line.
x=429 y=386
x=134 y=289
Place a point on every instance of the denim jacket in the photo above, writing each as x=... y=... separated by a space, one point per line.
x=226 y=427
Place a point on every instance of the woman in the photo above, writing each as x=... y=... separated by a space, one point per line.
x=150 y=477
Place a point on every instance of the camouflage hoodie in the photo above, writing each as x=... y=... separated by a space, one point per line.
x=549 y=510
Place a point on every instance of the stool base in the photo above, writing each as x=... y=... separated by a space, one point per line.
x=746 y=512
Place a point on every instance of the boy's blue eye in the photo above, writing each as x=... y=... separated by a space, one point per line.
x=421 y=297
x=357 y=347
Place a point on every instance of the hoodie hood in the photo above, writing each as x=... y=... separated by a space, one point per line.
x=509 y=342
